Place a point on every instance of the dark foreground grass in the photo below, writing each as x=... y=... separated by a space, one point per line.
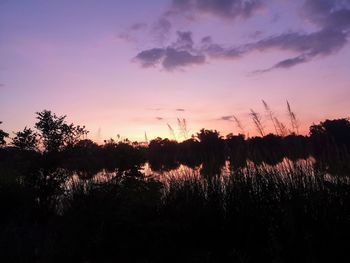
x=290 y=213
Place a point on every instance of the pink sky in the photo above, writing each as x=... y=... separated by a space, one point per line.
x=94 y=61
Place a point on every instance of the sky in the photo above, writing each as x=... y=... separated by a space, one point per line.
x=130 y=67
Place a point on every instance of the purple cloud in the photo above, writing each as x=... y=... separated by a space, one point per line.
x=176 y=56
x=150 y=57
x=180 y=58
x=161 y=30
x=331 y=17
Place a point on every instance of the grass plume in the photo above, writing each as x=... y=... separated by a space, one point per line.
x=258 y=122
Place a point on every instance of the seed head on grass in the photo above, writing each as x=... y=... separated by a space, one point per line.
x=258 y=122
x=270 y=115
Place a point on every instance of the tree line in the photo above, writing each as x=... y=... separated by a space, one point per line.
x=67 y=144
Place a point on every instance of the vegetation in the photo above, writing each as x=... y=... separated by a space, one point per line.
x=3 y=135
x=285 y=198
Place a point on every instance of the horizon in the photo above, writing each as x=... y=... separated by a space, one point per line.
x=131 y=68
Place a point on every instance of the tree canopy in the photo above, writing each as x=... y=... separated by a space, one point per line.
x=3 y=135
x=26 y=139
x=55 y=133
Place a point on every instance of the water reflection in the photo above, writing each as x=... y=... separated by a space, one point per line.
x=228 y=168
x=182 y=170
x=204 y=169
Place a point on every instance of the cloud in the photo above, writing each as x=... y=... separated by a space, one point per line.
x=174 y=59
x=222 y=8
x=150 y=57
x=331 y=18
x=291 y=62
x=129 y=35
x=287 y=63
x=227 y=118
x=184 y=41
x=324 y=42
x=328 y=13
x=178 y=55
x=169 y=58
x=161 y=30
x=256 y=34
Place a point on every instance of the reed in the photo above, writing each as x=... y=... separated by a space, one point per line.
x=257 y=122
x=293 y=119
x=270 y=115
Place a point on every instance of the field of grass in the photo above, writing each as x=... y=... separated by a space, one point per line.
x=290 y=213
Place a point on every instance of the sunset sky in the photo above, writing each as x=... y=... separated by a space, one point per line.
x=129 y=66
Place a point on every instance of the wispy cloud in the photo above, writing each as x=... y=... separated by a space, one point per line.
x=227 y=118
x=130 y=33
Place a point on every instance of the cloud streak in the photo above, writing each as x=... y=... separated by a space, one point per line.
x=227 y=118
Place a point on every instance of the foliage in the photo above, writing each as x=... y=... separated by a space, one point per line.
x=337 y=130
x=26 y=139
x=55 y=133
x=3 y=135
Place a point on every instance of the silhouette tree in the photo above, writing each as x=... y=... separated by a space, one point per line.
x=337 y=130
x=331 y=145
x=55 y=133
x=26 y=139
x=3 y=135
x=209 y=137
x=163 y=154
x=236 y=150
x=212 y=151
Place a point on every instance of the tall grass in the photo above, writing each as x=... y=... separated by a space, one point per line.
x=270 y=115
x=183 y=130
x=239 y=124
x=257 y=122
x=286 y=213
x=171 y=131
x=293 y=119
